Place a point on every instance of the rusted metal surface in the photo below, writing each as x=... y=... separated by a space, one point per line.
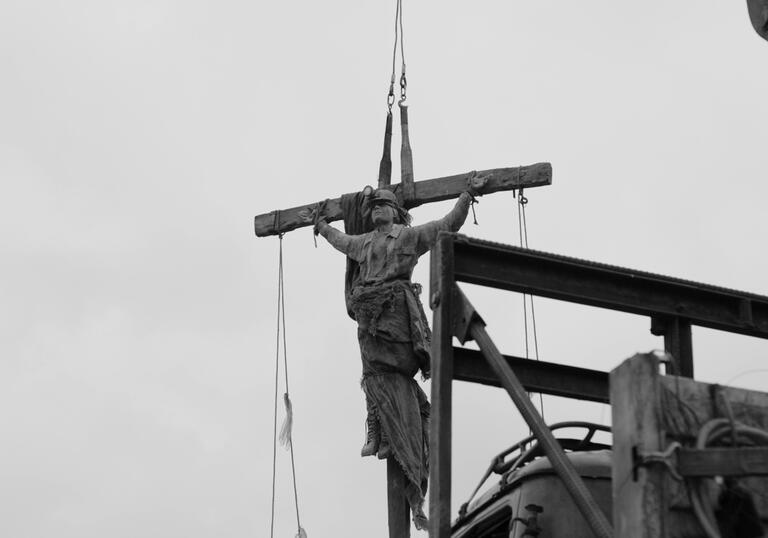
x=430 y=190
x=536 y=376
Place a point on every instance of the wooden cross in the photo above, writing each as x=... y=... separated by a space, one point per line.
x=412 y=194
x=424 y=192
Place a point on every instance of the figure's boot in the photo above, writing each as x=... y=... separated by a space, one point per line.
x=373 y=437
x=385 y=449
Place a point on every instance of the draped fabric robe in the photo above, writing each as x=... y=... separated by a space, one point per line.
x=393 y=333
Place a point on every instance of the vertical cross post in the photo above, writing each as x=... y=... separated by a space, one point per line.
x=441 y=297
x=399 y=517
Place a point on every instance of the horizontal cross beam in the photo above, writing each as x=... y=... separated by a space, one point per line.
x=430 y=190
x=606 y=286
x=536 y=376
x=719 y=461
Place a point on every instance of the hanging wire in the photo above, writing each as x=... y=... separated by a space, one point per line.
x=277 y=381
x=289 y=408
x=522 y=201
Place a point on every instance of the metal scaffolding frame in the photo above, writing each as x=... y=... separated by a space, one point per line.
x=673 y=305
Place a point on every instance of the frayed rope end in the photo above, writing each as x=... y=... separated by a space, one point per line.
x=287 y=428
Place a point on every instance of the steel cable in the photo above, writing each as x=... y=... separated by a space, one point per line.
x=522 y=201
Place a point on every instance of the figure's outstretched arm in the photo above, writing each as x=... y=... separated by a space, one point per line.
x=427 y=233
x=339 y=240
x=351 y=245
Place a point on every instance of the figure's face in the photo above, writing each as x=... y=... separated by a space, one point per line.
x=382 y=214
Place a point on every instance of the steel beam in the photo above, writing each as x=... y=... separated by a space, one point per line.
x=606 y=286
x=536 y=376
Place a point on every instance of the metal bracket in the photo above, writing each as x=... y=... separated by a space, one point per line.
x=531 y=523
x=666 y=457
x=685 y=462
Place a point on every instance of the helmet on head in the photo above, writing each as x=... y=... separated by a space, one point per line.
x=387 y=197
x=384 y=196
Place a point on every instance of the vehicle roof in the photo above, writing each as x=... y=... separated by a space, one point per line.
x=590 y=464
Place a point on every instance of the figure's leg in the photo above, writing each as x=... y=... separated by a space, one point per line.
x=373 y=430
x=385 y=449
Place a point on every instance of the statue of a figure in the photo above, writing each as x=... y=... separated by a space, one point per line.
x=393 y=332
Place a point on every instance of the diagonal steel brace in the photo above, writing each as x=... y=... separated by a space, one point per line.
x=468 y=325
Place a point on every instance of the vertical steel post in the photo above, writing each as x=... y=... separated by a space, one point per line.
x=678 y=342
x=441 y=297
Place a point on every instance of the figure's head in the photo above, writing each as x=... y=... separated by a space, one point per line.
x=384 y=207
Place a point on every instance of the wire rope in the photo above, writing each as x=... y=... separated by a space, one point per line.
x=281 y=331
x=522 y=201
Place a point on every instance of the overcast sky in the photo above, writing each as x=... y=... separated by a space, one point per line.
x=138 y=140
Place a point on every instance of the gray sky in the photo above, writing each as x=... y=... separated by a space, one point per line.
x=138 y=139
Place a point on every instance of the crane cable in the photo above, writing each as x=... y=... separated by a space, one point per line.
x=522 y=201
x=285 y=437
x=398 y=37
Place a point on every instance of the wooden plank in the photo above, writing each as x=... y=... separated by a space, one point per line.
x=430 y=190
x=651 y=412
x=441 y=297
x=399 y=515
x=719 y=461
x=638 y=493
x=687 y=405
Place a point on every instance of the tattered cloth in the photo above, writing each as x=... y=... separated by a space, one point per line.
x=356 y=221
x=387 y=314
x=394 y=342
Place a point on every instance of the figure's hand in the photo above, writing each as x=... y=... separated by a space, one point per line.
x=476 y=184
x=307 y=216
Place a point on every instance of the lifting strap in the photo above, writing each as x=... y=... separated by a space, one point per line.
x=406 y=154
x=406 y=157
x=385 y=166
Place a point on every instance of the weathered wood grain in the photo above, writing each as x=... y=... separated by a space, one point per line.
x=430 y=190
x=441 y=421
x=651 y=412
x=398 y=509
